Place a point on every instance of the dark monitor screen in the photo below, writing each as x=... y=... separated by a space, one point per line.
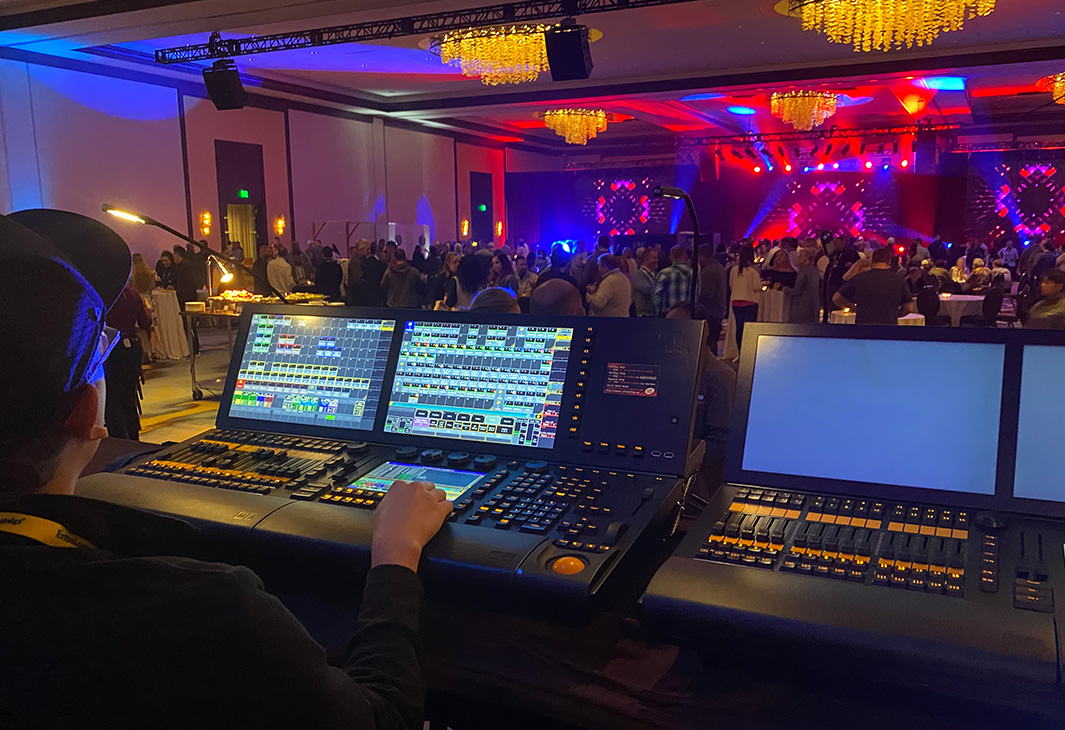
x=312 y=370
x=1038 y=473
x=491 y=383
x=860 y=411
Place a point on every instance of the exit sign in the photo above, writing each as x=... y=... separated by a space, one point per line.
x=483 y=208
x=242 y=193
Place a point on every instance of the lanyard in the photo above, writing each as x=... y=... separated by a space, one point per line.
x=43 y=531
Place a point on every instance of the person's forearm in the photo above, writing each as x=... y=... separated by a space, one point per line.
x=840 y=301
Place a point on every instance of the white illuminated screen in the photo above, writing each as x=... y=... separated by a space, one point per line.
x=1039 y=435
x=864 y=411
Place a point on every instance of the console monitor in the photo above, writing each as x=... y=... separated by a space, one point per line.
x=312 y=370
x=860 y=410
x=454 y=483
x=492 y=383
x=1038 y=473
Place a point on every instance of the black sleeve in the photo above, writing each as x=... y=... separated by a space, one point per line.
x=380 y=686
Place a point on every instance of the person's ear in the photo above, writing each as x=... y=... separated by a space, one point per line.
x=86 y=419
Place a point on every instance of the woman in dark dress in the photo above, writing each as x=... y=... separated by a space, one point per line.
x=780 y=274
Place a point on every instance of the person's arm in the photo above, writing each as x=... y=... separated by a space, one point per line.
x=598 y=296
x=799 y=289
x=144 y=320
x=658 y=292
x=844 y=296
x=907 y=301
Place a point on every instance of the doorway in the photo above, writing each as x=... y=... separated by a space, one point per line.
x=240 y=226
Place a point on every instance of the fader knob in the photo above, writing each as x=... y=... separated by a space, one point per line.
x=432 y=455
x=536 y=466
x=485 y=461
x=356 y=447
x=457 y=458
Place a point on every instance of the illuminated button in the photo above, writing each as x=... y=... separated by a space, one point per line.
x=604 y=447
x=587 y=446
x=568 y=565
x=637 y=451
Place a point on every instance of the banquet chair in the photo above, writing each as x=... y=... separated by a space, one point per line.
x=928 y=305
x=991 y=307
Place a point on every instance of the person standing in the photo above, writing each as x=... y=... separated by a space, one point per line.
x=314 y=254
x=1009 y=256
x=279 y=274
x=559 y=268
x=1044 y=261
x=186 y=286
x=643 y=282
x=673 y=284
x=712 y=293
x=165 y=270
x=526 y=280
x=122 y=370
x=365 y=272
x=879 y=295
x=501 y=274
x=804 y=298
x=612 y=296
x=329 y=277
x=258 y=270
x=746 y=285
x=402 y=283
x=442 y=286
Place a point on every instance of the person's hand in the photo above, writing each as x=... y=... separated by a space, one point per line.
x=591 y=288
x=408 y=516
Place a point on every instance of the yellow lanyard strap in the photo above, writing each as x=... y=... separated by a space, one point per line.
x=43 y=531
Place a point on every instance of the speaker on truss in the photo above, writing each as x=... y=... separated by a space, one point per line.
x=223 y=85
x=568 y=53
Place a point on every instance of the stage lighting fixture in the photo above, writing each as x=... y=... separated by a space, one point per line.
x=787 y=168
x=861 y=150
x=821 y=166
x=780 y=151
x=757 y=168
x=835 y=165
x=887 y=167
x=736 y=154
x=720 y=154
x=798 y=151
x=905 y=163
x=895 y=147
x=869 y=165
x=806 y=169
x=814 y=149
x=880 y=150
x=750 y=152
x=828 y=150
x=846 y=149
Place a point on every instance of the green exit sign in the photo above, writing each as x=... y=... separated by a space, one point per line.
x=483 y=208
x=242 y=193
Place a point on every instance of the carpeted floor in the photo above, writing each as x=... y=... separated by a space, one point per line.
x=168 y=411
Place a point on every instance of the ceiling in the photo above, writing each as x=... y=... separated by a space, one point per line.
x=648 y=64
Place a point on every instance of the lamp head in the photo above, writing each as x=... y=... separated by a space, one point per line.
x=124 y=215
x=665 y=191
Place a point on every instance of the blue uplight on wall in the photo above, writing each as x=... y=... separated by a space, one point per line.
x=845 y=100
x=943 y=83
x=710 y=96
x=743 y=111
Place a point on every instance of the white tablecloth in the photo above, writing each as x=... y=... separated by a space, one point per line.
x=172 y=342
x=959 y=305
x=772 y=308
x=843 y=317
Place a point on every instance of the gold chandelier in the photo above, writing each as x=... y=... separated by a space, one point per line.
x=1055 y=84
x=803 y=109
x=506 y=54
x=576 y=125
x=886 y=24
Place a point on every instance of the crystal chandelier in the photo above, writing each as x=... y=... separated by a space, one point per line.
x=886 y=24
x=576 y=125
x=803 y=109
x=1055 y=84
x=508 y=54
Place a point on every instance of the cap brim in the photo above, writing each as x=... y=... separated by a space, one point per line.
x=93 y=249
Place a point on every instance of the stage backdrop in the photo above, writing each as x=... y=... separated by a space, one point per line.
x=545 y=207
x=1018 y=194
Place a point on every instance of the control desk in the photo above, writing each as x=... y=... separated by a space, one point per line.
x=563 y=442
x=868 y=510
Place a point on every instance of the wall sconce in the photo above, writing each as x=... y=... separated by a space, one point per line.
x=279 y=225
x=499 y=228
x=205 y=223
x=465 y=228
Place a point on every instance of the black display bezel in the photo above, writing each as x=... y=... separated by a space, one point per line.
x=925 y=427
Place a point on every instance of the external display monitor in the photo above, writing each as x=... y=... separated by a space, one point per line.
x=1038 y=474
x=312 y=370
x=490 y=383
x=454 y=483
x=861 y=410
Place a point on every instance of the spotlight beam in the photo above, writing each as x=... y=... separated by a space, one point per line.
x=202 y=245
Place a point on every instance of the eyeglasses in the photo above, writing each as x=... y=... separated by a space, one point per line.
x=93 y=370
